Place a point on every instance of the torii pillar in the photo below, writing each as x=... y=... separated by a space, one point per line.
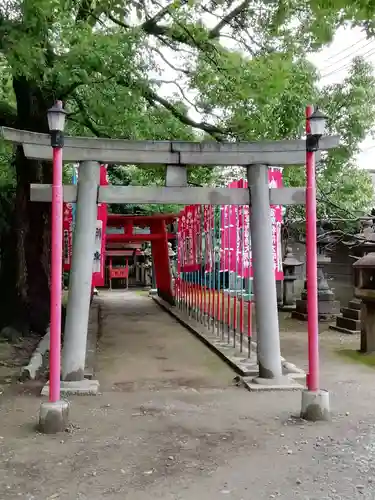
x=80 y=283
x=267 y=320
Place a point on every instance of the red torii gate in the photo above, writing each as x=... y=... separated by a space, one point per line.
x=176 y=155
x=159 y=243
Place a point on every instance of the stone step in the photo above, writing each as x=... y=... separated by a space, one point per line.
x=344 y=330
x=348 y=323
x=354 y=304
x=347 y=312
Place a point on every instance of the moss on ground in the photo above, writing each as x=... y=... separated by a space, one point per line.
x=144 y=293
x=358 y=357
x=64 y=300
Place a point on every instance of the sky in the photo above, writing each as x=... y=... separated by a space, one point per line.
x=333 y=63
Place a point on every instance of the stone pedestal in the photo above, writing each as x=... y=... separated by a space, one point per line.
x=279 y=294
x=289 y=301
x=290 y=264
x=368 y=328
x=328 y=307
x=350 y=320
x=364 y=289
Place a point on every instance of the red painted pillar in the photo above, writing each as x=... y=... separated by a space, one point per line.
x=160 y=256
x=311 y=267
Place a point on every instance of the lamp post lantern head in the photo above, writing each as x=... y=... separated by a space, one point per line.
x=317 y=123
x=56 y=122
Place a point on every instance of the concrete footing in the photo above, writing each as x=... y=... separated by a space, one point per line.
x=76 y=388
x=283 y=383
x=53 y=417
x=315 y=405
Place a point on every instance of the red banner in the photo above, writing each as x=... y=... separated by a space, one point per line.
x=189 y=236
x=236 y=235
x=67 y=235
x=98 y=274
x=197 y=249
x=208 y=227
x=180 y=229
x=275 y=177
x=224 y=237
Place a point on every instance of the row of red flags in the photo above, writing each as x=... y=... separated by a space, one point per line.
x=199 y=239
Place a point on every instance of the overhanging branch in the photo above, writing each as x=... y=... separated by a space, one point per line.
x=153 y=98
x=227 y=19
x=162 y=13
x=86 y=120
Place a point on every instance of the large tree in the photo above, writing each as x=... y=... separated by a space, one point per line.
x=240 y=65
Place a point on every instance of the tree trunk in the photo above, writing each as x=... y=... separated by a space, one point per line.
x=26 y=260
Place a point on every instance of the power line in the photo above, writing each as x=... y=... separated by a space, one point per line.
x=350 y=48
x=352 y=54
x=366 y=54
x=346 y=66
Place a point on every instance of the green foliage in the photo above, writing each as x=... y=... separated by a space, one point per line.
x=241 y=67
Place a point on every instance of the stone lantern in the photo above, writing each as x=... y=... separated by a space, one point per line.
x=290 y=264
x=148 y=266
x=364 y=289
x=328 y=307
x=172 y=255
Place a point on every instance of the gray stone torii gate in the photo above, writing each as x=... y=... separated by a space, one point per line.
x=176 y=155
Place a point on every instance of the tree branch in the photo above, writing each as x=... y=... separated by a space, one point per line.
x=87 y=121
x=162 y=13
x=66 y=92
x=152 y=28
x=182 y=70
x=215 y=32
x=85 y=11
x=153 y=98
x=117 y=21
x=198 y=109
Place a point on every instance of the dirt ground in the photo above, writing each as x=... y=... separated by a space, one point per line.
x=169 y=424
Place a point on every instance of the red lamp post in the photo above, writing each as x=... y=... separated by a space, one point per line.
x=56 y=122
x=315 y=127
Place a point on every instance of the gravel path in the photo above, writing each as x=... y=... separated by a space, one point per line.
x=169 y=424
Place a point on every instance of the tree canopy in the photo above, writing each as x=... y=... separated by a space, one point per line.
x=172 y=69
